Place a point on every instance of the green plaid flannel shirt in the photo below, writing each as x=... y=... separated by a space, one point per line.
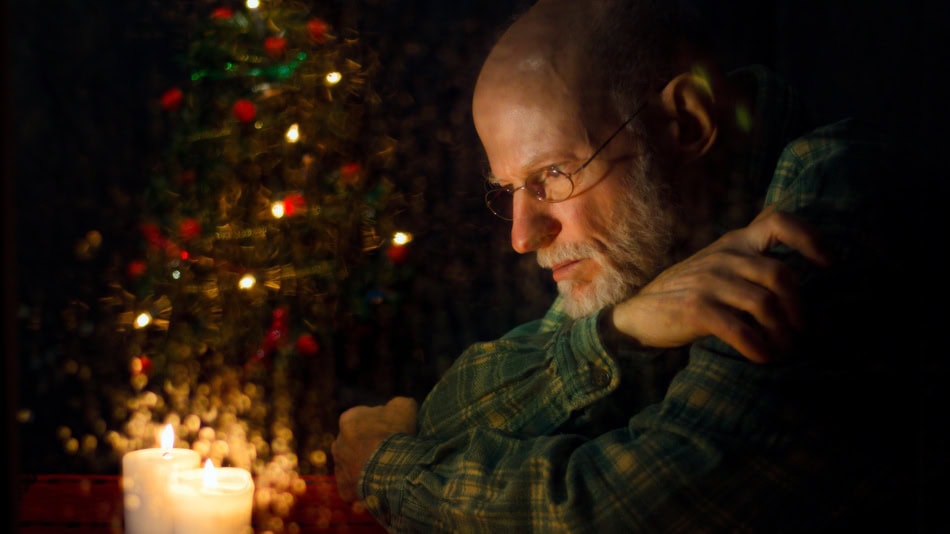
x=546 y=430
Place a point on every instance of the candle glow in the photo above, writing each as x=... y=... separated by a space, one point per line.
x=212 y=499
x=167 y=438
x=146 y=474
x=210 y=477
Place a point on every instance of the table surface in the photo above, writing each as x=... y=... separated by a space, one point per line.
x=93 y=504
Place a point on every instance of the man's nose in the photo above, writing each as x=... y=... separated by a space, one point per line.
x=532 y=226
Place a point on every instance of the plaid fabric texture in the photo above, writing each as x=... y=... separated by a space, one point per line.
x=545 y=430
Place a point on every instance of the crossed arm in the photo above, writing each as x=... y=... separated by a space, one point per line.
x=732 y=290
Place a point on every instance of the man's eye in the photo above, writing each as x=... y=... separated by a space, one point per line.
x=551 y=173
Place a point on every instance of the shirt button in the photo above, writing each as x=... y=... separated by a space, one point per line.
x=600 y=378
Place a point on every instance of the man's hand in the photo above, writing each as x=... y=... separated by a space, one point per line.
x=362 y=429
x=730 y=289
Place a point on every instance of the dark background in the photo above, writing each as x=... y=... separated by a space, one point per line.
x=79 y=78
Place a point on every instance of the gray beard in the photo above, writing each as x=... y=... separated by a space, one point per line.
x=639 y=249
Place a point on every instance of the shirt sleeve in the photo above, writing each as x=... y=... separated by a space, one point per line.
x=551 y=374
x=674 y=467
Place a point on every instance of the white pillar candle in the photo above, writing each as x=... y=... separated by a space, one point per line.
x=212 y=500
x=145 y=480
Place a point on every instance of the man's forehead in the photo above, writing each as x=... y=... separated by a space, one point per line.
x=543 y=52
x=549 y=33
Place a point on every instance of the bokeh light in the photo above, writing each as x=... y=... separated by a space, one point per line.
x=293 y=133
x=247 y=281
x=143 y=319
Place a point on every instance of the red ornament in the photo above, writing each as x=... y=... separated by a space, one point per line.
x=318 y=30
x=273 y=337
x=244 y=110
x=222 y=13
x=136 y=268
x=350 y=173
x=172 y=99
x=172 y=250
x=307 y=346
x=397 y=253
x=275 y=46
x=294 y=203
x=279 y=318
x=189 y=229
x=153 y=235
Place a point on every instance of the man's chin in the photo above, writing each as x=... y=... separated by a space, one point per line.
x=583 y=299
x=579 y=299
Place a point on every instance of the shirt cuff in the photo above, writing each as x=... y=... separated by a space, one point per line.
x=385 y=477
x=583 y=364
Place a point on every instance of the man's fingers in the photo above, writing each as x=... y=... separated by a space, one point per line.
x=727 y=324
x=772 y=227
x=402 y=414
x=749 y=317
x=352 y=414
x=776 y=286
x=766 y=212
x=407 y=404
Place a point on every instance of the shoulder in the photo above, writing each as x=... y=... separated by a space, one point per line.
x=838 y=165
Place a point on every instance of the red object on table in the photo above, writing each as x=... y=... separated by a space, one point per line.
x=92 y=504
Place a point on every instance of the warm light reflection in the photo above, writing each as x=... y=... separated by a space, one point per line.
x=402 y=238
x=293 y=133
x=167 y=438
x=210 y=476
x=277 y=209
x=334 y=78
x=143 y=320
x=253 y=4
x=247 y=281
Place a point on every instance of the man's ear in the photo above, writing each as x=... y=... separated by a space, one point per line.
x=689 y=126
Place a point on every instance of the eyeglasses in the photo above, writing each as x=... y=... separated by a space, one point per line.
x=550 y=185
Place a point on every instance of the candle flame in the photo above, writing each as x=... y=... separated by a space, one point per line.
x=168 y=437
x=210 y=478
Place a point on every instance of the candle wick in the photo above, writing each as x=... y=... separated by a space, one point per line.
x=167 y=455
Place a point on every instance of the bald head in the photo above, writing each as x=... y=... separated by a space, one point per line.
x=540 y=59
x=605 y=55
x=536 y=83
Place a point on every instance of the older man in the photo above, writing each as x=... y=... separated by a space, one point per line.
x=698 y=371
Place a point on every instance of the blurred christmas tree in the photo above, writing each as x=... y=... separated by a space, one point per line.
x=268 y=249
